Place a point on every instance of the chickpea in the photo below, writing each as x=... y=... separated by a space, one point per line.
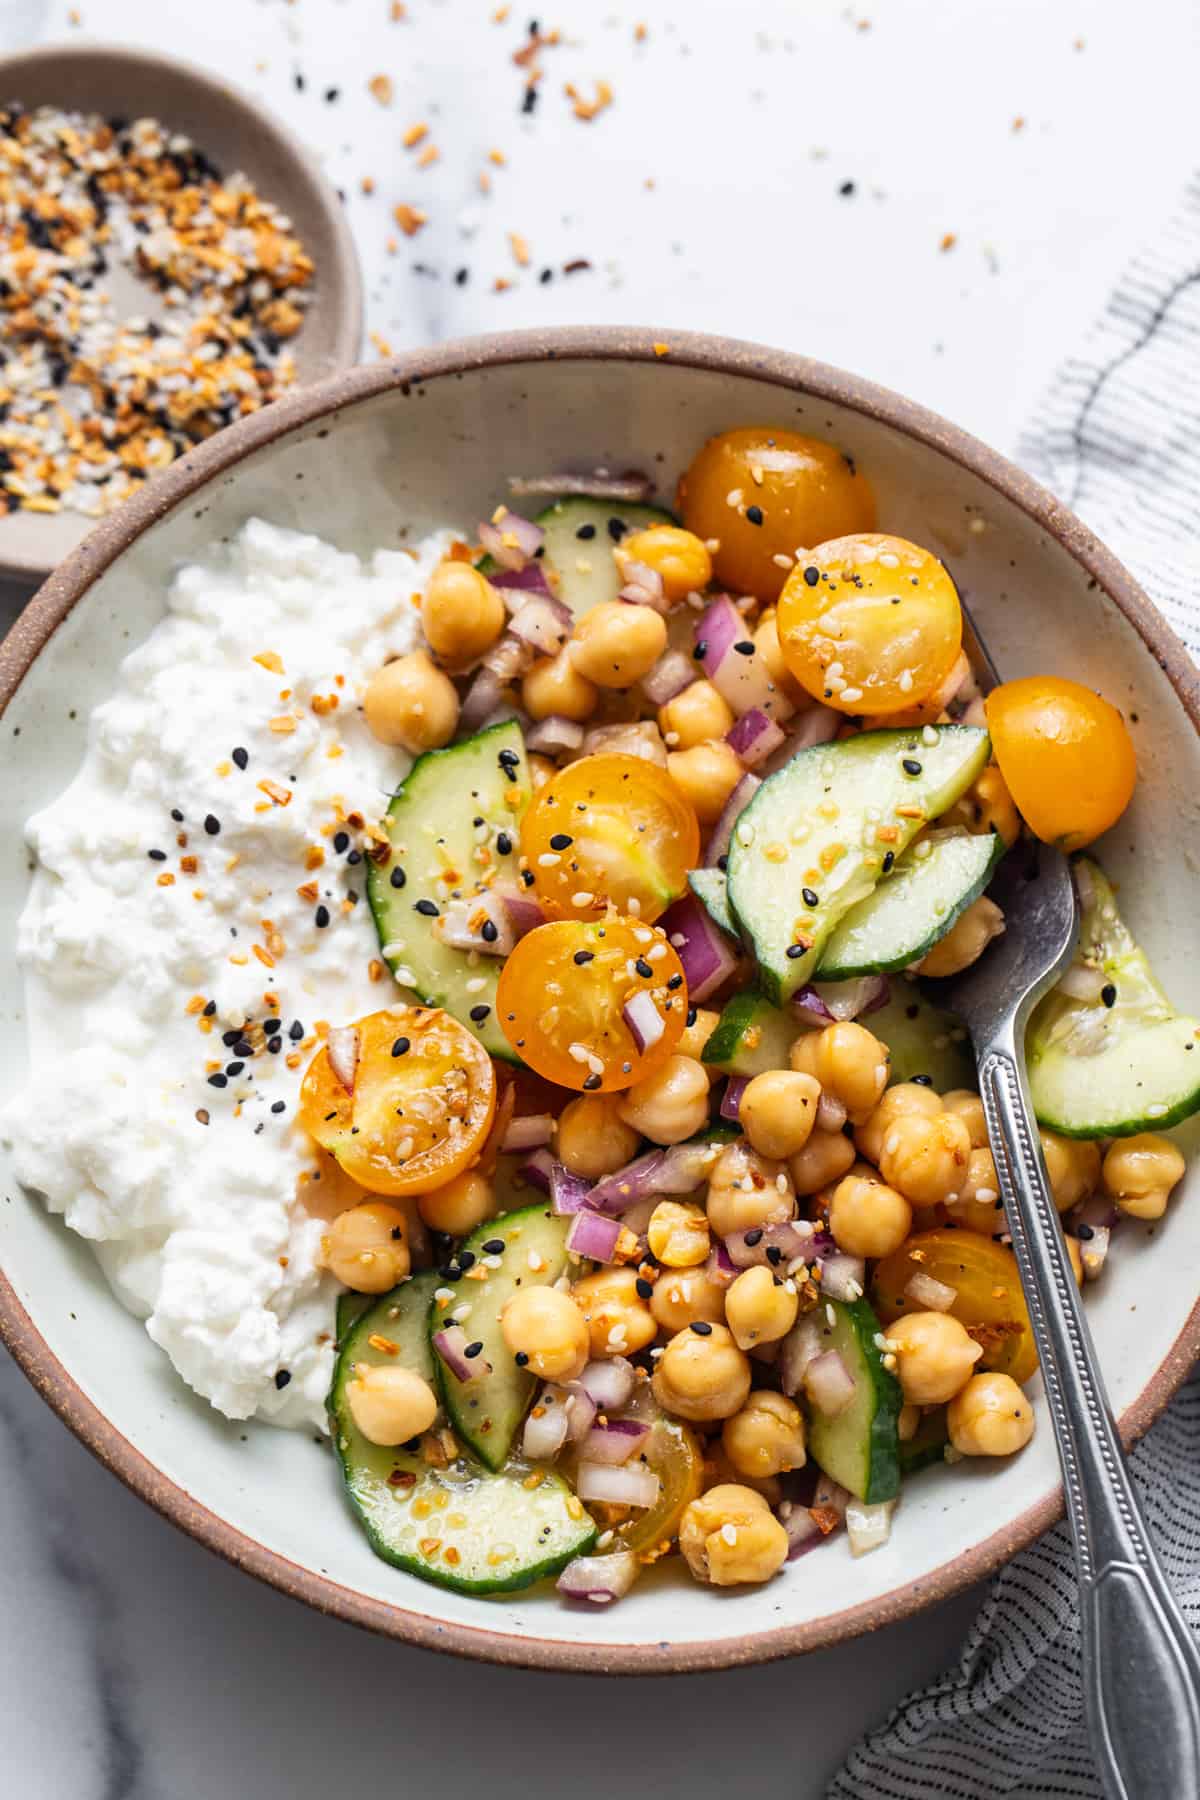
x=678 y=1234
x=541 y=770
x=926 y=1159
x=544 y=1325
x=897 y=1102
x=934 y=1356
x=766 y=643
x=678 y=557
x=592 y=1139
x=969 y=1108
x=986 y=806
x=411 y=704
x=824 y=1159
x=706 y=775
x=868 y=1218
x=966 y=940
x=1073 y=1165
x=849 y=1062
x=760 y=1308
x=669 y=1105
x=717 y=1469
x=462 y=614
x=554 y=686
x=389 y=1403
x=696 y=716
x=1140 y=1172
x=702 y=1374
x=681 y=1295
x=367 y=1247
x=460 y=1205
x=766 y=1438
x=977 y=1205
x=616 y=644
x=778 y=1111
x=746 y=1189
x=696 y=1035
x=990 y=1417
x=618 y=1320
x=730 y=1535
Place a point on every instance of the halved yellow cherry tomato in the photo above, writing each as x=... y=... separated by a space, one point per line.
x=760 y=493
x=869 y=624
x=988 y=1297
x=673 y=1451
x=563 y=995
x=1066 y=755
x=609 y=828
x=422 y=1098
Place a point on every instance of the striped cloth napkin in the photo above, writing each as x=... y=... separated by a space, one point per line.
x=1117 y=439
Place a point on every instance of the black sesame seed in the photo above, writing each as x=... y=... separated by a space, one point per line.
x=585 y=532
x=275 y=1045
x=210 y=1009
x=322 y=917
x=234 y=1068
x=400 y=1046
x=583 y=956
x=676 y=981
x=218 y=1081
x=398 y=877
x=295 y=1031
x=643 y=968
x=644 y=1288
x=774 y=1255
x=479 y=1014
x=701 y=650
x=592 y=1083
x=494 y=1247
x=691 y=1017
x=723 y=864
x=809 y=898
x=271 y=1026
x=754 y=514
x=911 y=766
x=177 y=815
x=489 y=931
x=1108 y=994
x=341 y=841
x=426 y=908
x=794 y=950
x=701 y=1327
x=241 y=757
x=212 y=825
x=812 y=575
x=888 y=860
x=503 y=844
x=475 y=1349
x=560 y=841
x=745 y=647
x=282 y=1377
x=467 y=1260
x=157 y=855
x=754 y=1237
x=520 y=1359
x=1085 y=1232
x=230 y=1038
x=617 y=529
x=923 y=1080
x=279 y=1106
x=527 y=877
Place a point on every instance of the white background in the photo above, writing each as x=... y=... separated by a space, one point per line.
x=132 y=1665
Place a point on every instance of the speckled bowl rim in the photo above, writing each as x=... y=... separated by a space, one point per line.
x=68 y=585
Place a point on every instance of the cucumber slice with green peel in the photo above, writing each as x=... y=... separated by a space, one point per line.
x=453 y=825
x=709 y=887
x=750 y=1037
x=927 y=1445
x=860 y=1448
x=932 y=884
x=459 y=1526
x=581 y=535
x=1121 y=1060
x=816 y=836
x=350 y=1307
x=487 y=1412
x=925 y=1041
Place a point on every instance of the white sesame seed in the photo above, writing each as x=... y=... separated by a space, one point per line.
x=548 y=860
x=729 y=1534
x=830 y=1315
x=851 y=694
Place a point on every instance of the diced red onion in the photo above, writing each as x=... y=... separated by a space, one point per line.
x=643 y=1020
x=451 y=1344
x=581 y=1409
x=521 y=913
x=677 y=1170
x=832 y=1495
x=829 y=1384
x=511 y=540
x=615 y=1442
x=707 y=956
x=507 y=713
x=851 y=999
x=634 y=1485
x=543 y=622
x=795 y=1237
x=1082 y=983
x=554 y=736
x=1097 y=1209
x=593 y=1235
x=754 y=737
x=638 y=737
x=538 y=1168
x=462 y=921
x=868 y=1526
x=720 y=1267
x=801 y=1346
x=1085 y=887
x=609 y=1381
x=743 y=681
x=927 y=1291
x=528 y=1132
x=643 y=586
x=568 y=1193
x=810 y=1006
x=517 y=584
x=803 y=1532
x=673 y=672
x=545 y=1429
x=1093 y=1250
x=843 y=1277
x=632 y=487
x=831 y=1114
x=731 y=1099
x=343 y=1047
x=484 y=695
x=599 y=1579
x=731 y=812
x=508 y=657
x=818 y=725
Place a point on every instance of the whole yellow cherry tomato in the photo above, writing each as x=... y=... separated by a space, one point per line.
x=760 y=493
x=870 y=624
x=1066 y=755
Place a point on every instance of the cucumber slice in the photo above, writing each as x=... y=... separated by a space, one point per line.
x=584 y=563
x=1123 y=1062
x=927 y=1444
x=750 y=1037
x=487 y=1412
x=709 y=887
x=459 y=1526
x=349 y=1308
x=438 y=854
x=815 y=826
x=860 y=1448
x=935 y=881
x=924 y=1040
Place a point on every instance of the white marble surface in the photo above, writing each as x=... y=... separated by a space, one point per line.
x=133 y=1666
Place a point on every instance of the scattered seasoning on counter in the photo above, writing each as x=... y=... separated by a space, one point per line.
x=93 y=403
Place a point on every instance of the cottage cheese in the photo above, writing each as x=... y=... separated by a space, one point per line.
x=189 y=1190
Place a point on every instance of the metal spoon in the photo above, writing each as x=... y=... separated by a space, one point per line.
x=1141 y=1670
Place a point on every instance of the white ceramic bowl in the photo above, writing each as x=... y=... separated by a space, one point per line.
x=408 y=445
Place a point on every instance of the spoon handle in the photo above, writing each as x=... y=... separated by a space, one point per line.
x=1141 y=1669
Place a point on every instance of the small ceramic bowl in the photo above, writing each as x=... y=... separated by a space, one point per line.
x=428 y=440
x=237 y=134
